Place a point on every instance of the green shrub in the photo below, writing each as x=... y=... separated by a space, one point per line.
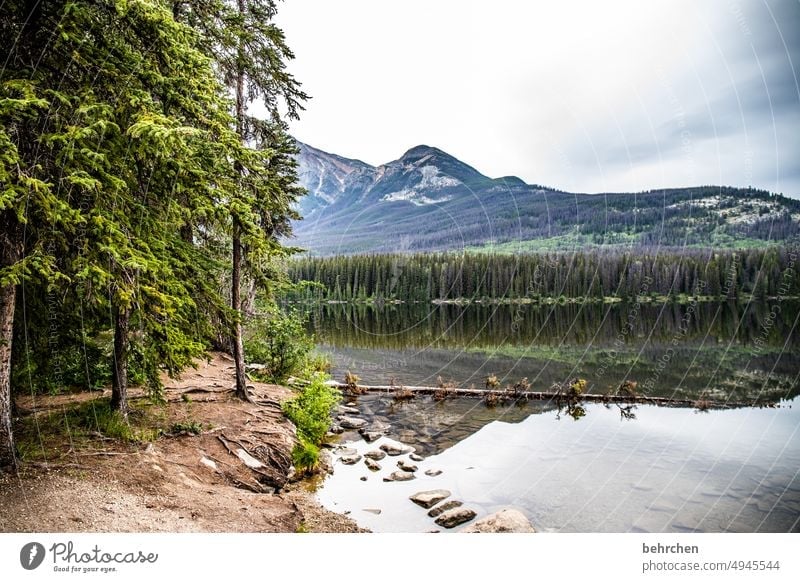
x=190 y=426
x=311 y=410
x=279 y=341
x=97 y=416
x=305 y=456
x=315 y=363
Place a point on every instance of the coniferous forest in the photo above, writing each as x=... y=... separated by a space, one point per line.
x=140 y=204
x=713 y=274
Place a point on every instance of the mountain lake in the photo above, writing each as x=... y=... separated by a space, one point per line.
x=594 y=467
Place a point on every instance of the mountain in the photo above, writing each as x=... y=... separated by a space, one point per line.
x=325 y=176
x=429 y=200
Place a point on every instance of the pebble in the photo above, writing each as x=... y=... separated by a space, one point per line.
x=400 y=476
x=350 y=422
x=406 y=465
x=442 y=507
x=428 y=499
x=350 y=459
x=454 y=517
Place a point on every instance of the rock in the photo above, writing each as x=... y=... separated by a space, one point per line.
x=416 y=457
x=380 y=426
x=372 y=465
x=406 y=465
x=428 y=499
x=375 y=455
x=336 y=429
x=350 y=459
x=346 y=451
x=208 y=463
x=455 y=517
x=249 y=459
x=326 y=461
x=375 y=511
x=442 y=507
x=504 y=521
x=393 y=448
x=350 y=422
x=363 y=478
x=348 y=410
x=400 y=476
x=370 y=436
x=433 y=472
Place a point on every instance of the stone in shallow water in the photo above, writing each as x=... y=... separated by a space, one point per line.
x=416 y=457
x=350 y=422
x=433 y=472
x=504 y=521
x=393 y=448
x=375 y=455
x=406 y=465
x=350 y=459
x=370 y=436
x=428 y=499
x=326 y=461
x=442 y=507
x=363 y=478
x=400 y=476
x=372 y=465
x=342 y=451
x=375 y=511
x=348 y=410
x=455 y=517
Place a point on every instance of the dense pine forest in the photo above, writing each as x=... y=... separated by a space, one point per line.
x=141 y=206
x=599 y=274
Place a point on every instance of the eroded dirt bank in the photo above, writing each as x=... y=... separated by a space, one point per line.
x=231 y=477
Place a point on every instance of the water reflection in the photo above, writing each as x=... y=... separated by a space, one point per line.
x=623 y=466
x=716 y=351
x=670 y=471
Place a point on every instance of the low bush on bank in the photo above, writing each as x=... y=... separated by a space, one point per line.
x=311 y=412
x=278 y=341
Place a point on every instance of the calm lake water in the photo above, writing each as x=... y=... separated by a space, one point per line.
x=647 y=468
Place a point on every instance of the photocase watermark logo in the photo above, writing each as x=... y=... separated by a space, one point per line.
x=31 y=555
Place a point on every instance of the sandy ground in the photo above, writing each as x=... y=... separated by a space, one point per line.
x=229 y=478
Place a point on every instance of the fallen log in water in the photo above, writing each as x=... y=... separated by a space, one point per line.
x=509 y=395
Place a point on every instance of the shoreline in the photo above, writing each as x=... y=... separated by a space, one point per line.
x=229 y=476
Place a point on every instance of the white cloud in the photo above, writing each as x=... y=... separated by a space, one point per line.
x=581 y=95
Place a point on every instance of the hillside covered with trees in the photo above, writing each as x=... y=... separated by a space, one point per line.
x=453 y=276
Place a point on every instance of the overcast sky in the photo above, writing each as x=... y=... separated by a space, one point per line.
x=584 y=96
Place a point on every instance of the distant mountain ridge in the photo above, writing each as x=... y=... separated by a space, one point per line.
x=429 y=200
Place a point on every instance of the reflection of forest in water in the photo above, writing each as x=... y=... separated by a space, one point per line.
x=720 y=350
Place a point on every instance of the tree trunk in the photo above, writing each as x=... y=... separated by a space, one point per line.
x=119 y=386
x=236 y=270
x=236 y=305
x=8 y=458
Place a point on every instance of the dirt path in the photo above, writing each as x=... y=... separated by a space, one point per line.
x=232 y=477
